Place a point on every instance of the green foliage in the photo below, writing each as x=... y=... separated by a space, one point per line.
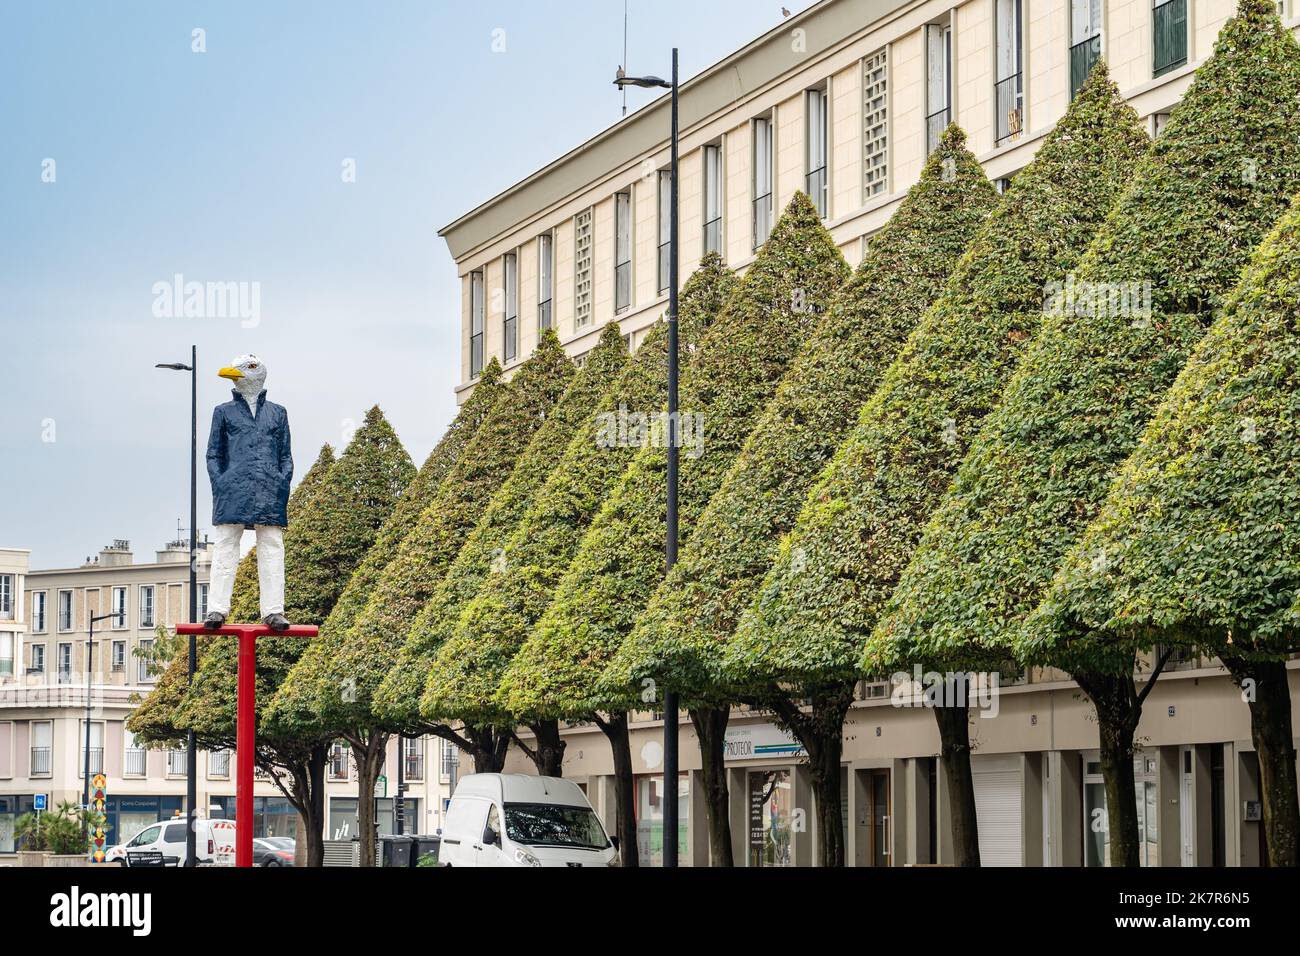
x=863 y=517
x=62 y=831
x=305 y=692
x=156 y=720
x=1197 y=541
x=678 y=640
x=464 y=679
x=1215 y=182
x=483 y=549
x=620 y=561
x=327 y=538
x=372 y=645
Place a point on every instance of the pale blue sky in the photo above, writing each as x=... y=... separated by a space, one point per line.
x=226 y=166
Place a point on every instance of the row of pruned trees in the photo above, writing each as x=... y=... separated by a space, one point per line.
x=1054 y=428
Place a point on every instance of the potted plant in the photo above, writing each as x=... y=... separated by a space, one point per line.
x=54 y=839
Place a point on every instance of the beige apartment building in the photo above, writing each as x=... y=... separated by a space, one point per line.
x=44 y=642
x=844 y=101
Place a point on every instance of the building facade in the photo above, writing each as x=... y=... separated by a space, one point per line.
x=45 y=685
x=844 y=102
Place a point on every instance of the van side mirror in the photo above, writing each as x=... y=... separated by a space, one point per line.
x=490 y=837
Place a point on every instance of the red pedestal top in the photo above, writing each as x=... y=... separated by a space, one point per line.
x=251 y=630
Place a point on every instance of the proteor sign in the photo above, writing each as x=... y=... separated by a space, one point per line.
x=759 y=742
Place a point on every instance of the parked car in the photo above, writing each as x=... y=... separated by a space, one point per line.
x=272 y=851
x=213 y=840
x=515 y=819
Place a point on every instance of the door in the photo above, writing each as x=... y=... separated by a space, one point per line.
x=1187 y=809
x=491 y=853
x=998 y=810
x=872 y=818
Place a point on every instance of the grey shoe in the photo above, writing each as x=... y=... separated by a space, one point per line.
x=276 y=622
x=214 y=620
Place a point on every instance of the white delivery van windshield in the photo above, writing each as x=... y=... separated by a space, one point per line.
x=548 y=824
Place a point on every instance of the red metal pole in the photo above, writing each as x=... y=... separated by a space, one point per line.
x=245 y=748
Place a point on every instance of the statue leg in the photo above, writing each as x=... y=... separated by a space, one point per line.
x=270 y=569
x=225 y=558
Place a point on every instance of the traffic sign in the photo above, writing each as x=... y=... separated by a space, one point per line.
x=381 y=787
x=38 y=801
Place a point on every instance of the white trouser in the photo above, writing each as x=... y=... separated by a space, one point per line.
x=270 y=567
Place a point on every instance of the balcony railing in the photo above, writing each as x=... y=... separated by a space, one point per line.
x=935 y=124
x=1169 y=25
x=338 y=768
x=414 y=768
x=450 y=761
x=96 y=759
x=176 y=763
x=1010 y=97
x=40 y=761
x=219 y=763
x=1082 y=56
x=135 y=763
x=65 y=675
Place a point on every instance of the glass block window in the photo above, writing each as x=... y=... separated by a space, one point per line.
x=875 y=124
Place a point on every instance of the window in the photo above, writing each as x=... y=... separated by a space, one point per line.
x=1009 y=90
x=38 y=611
x=764 y=164
x=37 y=664
x=875 y=124
x=651 y=796
x=119 y=655
x=42 y=739
x=146 y=605
x=413 y=758
x=510 y=324
x=1158 y=123
x=476 y=315
x=203 y=601
x=338 y=769
x=817 y=135
x=219 y=764
x=1169 y=28
x=119 y=608
x=65 y=663
x=582 y=236
x=1096 y=817
x=938 y=66
x=665 y=183
x=6 y=597
x=134 y=758
x=142 y=675
x=1002 y=185
x=1085 y=40
x=770 y=818
x=96 y=749
x=65 y=610
x=6 y=655
x=623 y=247
x=713 y=198
x=176 y=763
x=545 y=278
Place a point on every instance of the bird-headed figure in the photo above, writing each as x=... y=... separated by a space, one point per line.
x=250 y=466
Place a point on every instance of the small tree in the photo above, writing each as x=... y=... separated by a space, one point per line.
x=620 y=562
x=679 y=640
x=862 y=519
x=1197 y=542
x=1149 y=286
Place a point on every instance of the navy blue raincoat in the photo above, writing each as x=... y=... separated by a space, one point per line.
x=250 y=463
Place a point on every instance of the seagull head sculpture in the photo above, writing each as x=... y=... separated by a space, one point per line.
x=248 y=372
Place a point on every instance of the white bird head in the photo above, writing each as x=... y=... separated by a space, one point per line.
x=248 y=372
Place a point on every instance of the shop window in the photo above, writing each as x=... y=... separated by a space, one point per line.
x=771 y=811
x=650 y=800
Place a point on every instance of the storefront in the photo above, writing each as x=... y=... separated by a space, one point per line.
x=343 y=816
x=11 y=808
x=128 y=815
x=1096 y=820
x=650 y=799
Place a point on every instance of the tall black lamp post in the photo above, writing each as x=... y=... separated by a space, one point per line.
x=90 y=672
x=191 y=755
x=670 y=545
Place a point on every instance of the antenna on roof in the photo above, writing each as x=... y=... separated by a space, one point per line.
x=623 y=65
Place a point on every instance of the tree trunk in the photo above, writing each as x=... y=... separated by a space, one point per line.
x=314 y=819
x=954 y=755
x=711 y=731
x=1118 y=712
x=821 y=731
x=488 y=747
x=615 y=728
x=548 y=756
x=368 y=755
x=1269 y=698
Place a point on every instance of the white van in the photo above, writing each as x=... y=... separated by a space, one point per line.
x=516 y=819
x=214 y=842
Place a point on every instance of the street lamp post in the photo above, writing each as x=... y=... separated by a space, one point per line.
x=191 y=755
x=622 y=81
x=90 y=656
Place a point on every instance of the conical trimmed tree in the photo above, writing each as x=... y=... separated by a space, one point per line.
x=864 y=516
x=373 y=644
x=1197 y=542
x=679 y=639
x=464 y=679
x=620 y=562
x=157 y=720
x=1115 y=338
x=483 y=548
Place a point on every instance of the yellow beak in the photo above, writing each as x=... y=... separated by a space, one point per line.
x=233 y=374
